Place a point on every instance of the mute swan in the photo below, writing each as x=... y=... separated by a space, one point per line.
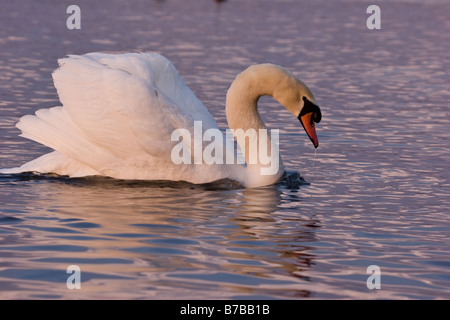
x=119 y=112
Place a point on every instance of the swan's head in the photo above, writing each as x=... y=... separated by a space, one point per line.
x=295 y=96
x=308 y=116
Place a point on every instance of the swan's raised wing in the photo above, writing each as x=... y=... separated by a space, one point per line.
x=120 y=107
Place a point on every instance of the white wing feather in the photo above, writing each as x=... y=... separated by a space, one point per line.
x=118 y=112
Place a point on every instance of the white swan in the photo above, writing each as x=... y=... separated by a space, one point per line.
x=120 y=110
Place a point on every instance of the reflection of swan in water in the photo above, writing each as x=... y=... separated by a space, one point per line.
x=120 y=112
x=255 y=233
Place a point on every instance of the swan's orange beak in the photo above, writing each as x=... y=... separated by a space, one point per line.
x=308 y=124
x=309 y=115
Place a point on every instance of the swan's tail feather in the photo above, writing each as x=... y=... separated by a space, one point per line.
x=50 y=127
x=54 y=162
x=11 y=170
x=54 y=128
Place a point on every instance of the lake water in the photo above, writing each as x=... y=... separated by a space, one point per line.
x=377 y=192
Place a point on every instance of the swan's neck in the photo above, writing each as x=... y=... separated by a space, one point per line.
x=242 y=111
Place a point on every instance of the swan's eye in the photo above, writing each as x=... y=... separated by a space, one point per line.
x=308 y=107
